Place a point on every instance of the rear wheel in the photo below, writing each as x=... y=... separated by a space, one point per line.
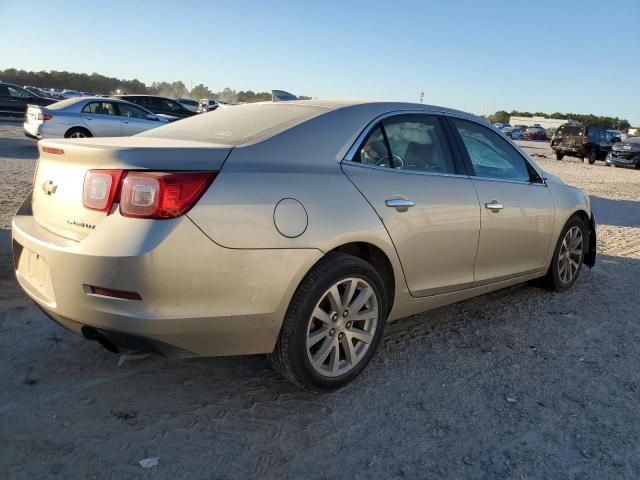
x=78 y=132
x=593 y=156
x=568 y=256
x=333 y=325
x=559 y=155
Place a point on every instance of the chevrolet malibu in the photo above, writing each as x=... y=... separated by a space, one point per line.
x=293 y=229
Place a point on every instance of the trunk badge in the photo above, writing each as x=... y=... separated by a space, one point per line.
x=49 y=187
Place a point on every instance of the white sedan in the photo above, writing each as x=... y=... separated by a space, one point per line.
x=90 y=117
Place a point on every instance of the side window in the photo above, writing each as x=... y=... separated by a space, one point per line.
x=418 y=143
x=4 y=90
x=131 y=111
x=99 y=108
x=491 y=155
x=170 y=106
x=18 y=92
x=374 y=151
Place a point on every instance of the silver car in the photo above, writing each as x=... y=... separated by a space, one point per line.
x=293 y=229
x=90 y=117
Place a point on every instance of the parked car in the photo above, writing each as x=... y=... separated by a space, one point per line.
x=71 y=94
x=625 y=154
x=582 y=142
x=159 y=105
x=36 y=91
x=14 y=99
x=207 y=105
x=189 y=104
x=516 y=133
x=534 y=133
x=89 y=117
x=295 y=230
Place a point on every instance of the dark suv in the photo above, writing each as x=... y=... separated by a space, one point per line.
x=158 y=105
x=14 y=99
x=582 y=142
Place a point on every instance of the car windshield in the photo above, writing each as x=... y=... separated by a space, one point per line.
x=238 y=125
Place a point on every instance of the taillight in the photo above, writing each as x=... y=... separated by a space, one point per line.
x=100 y=188
x=47 y=116
x=156 y=195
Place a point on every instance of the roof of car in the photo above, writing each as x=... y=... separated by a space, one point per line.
x=253 y=122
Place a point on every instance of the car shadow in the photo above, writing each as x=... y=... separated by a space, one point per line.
x=622 y=213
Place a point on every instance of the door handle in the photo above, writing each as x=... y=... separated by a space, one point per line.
x=400 y=204
x=493 y=205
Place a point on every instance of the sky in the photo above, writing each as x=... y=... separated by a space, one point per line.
x=571 y=56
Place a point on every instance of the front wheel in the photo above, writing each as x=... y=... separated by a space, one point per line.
x=333 y=325
x=593 y=156
x=568 y=256
x=559 y=155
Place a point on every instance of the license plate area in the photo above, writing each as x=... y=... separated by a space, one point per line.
x=32 y=270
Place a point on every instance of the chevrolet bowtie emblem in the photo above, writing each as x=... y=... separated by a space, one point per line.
x=49 y=187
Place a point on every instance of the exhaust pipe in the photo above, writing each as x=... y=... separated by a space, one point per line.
x=91 y=333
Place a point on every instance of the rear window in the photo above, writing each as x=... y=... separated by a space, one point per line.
x=238 y=125
x=569 y=130
x=64 y=103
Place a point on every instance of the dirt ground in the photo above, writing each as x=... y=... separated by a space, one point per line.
x=518 y=384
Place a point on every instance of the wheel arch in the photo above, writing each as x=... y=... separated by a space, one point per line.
x=78 y=127
x=378 y=259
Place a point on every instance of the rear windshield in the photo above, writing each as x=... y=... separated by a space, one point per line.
x=64 y=103
x=569 y=130
x=238 y=125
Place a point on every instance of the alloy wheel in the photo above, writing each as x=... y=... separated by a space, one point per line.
x=570 y=255
x=77 y=135
x=342 y=327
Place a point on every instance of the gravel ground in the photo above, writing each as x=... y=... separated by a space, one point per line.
x=518 y=384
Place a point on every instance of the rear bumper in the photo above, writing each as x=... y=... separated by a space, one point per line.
x=623 y=162
x=32 y=131
x=197 y=298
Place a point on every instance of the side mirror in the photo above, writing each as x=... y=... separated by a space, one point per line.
x=153 y=117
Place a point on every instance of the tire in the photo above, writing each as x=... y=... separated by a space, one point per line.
x=559 y=155
x=555 y=279
x=292 y=356
x=78 y=132
x=593 y=156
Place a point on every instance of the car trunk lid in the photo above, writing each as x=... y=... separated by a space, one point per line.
x=59 y=178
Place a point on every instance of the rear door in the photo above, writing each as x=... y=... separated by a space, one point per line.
x=135 y=119
x=407 y=171
x=517 y=212
x=102 y=119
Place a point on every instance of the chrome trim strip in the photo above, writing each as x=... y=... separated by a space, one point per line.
x=399 y=170
x=489 y=179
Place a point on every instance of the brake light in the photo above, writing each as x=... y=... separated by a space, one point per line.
x=47 y=116
x=157 y=195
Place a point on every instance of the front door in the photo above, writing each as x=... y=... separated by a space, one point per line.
x=135 y=119
x=407 y=172
x=517 y=212
x=101 y=119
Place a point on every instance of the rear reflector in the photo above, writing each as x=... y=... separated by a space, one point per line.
x=108 y=292
x=53 y=151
